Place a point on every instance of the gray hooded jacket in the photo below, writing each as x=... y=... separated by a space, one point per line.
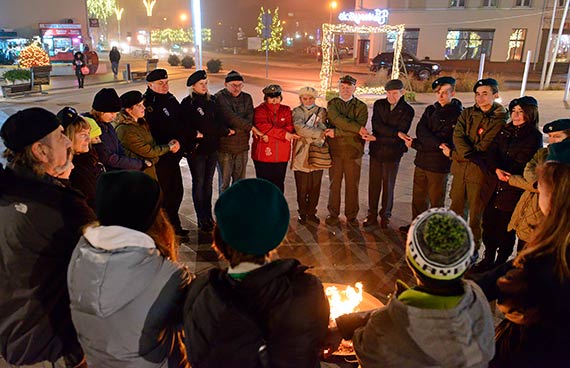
x=126 y=299
x=400 y=335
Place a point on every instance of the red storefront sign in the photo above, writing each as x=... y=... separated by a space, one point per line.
x=60 y=30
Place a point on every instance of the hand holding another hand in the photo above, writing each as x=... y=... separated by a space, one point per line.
x=291 y=136
x=174 y=146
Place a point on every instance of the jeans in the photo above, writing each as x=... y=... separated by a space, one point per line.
x=382 y=178
x=231 y=168
x=115 y=68
x=202 y=168
x=349 y=169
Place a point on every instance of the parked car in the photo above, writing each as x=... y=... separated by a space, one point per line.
x=422 y=69
x=342 y=52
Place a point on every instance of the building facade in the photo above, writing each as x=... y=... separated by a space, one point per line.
x=503 y=30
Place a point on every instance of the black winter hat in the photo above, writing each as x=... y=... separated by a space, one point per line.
x=556 y=126
x=198 y=75
x=127 y=198
x=394 y=84
x=486 y=82
x=233 y=76
x=67 y=116
x=131 y=98
x=156 y=74
x=106 y=100
x=523 y=101
x=443 y=80
x=28 y=126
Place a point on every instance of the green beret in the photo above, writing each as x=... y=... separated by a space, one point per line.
x=559 y=152
x=485 y=82
x=272 y=90
x=441 y=81
x=347 y=79
x=195 y=77
x=156 y=74
x=556 y=126
x=394 y=84
x=252 y=216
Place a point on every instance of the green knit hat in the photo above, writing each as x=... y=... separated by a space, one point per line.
x=252 y=216
x=440 y=244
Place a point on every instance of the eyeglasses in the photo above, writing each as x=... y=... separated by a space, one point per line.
x=235 y=85
x=273 y=95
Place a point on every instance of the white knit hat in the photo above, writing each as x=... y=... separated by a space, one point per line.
x=308 y=91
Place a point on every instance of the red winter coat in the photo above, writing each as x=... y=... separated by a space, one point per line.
x=274 y=121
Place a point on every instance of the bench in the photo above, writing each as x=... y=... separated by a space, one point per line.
x=151 y=65
x=40 y=76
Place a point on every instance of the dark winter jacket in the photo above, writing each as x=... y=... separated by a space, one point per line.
x=126 y=299
x=114 y=55
x=163 y=115
x=386 y=124
x=111 y=153
x=39 y=228
x=199 y=114
x=347 y=118
x=275 y=121
x=277 y=305
x=235 y=113
x=434 y=128
x=510 y=151
x=86 y=171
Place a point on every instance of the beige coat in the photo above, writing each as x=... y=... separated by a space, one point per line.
x=310 y=134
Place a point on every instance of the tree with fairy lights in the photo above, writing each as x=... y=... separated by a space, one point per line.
x=33 y=55
x=275 y=38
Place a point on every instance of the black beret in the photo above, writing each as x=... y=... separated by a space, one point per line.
x=523 y=101
x=28 y=126
x=272 y=90
x=485 y=82
x=198 y=75
x=127 y=198
x=67 y=116
x=347 y=79
x=156 y=74
x=393 y=85
x=556 y=126
x=131 y=98
x=441 y=81
x=559 y=152
x=252 y=216
x=233 y=76
x=107 y=100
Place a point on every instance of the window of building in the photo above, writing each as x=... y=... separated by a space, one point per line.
x=468 y=44
x=409 y=43
x=516 y=44
x=525 y=3
x=490 y=3
x=561 y=2
x=457 y=3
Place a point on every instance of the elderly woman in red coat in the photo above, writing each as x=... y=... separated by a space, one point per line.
x=271 y=149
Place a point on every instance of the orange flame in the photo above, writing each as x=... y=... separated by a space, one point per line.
x=344 y=301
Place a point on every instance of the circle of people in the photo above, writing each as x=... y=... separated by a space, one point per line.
x=90 y=229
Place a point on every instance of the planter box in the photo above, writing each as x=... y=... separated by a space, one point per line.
x=16 y=89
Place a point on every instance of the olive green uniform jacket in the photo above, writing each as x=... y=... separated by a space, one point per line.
x=138 y=141
x=347 y=118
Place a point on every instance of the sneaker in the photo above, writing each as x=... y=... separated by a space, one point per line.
x=353 y=222
x=332 y=220
x=370 y=221
x=384 y=223
x=314 y=218
x=404 y=229
x=302 y=219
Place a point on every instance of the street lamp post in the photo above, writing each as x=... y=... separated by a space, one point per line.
x=119 y=14
x=197 y=23
x=149 y=4
x=332 y=7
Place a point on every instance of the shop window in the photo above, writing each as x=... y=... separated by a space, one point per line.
x=409 y=42
x=489 y=3
x=468 y=44
x=457 y=3
x=563 y=54
x=516 y=44
x=523 y=3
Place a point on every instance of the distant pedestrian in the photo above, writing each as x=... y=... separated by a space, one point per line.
x=79 y=63
x=114 y=57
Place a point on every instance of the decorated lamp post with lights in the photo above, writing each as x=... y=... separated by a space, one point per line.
x=119 y=14
x=149 y=5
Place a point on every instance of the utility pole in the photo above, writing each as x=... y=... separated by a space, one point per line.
x=555 y=52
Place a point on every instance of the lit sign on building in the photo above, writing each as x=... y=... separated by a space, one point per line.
x=379 y=16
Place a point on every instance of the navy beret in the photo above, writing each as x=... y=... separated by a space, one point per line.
x=67 y=116
x=198 y=75
x=273 y=90
x=106 y=100
x=28 y=126
x=252 y=216
x=523 y=101
x=156 y=74
x=131 y=98
x=485 y=82
x=442 y=80
x=559 y=152
x=394 y=84
x=347 y=79
x=556 y=126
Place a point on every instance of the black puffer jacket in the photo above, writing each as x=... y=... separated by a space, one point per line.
x=434 y=128
x=237 y=114
x=200 y=113
x=386 y=124
x=87 y=169
x=39 y=228
x=511 y=149
x=287 y=304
